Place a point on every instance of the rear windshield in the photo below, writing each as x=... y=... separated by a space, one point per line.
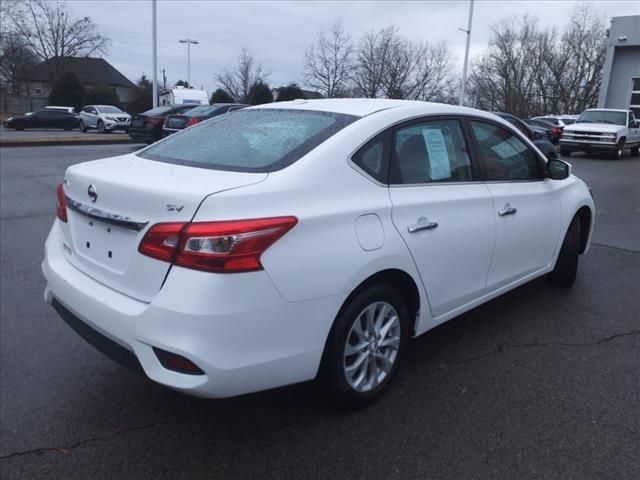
x=201 y=111
x=158 y=111
x=261 y=140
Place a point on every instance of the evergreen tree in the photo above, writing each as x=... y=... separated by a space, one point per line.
x=220 y=96
x=290 y=92
x=259 y=93
x=68 y=91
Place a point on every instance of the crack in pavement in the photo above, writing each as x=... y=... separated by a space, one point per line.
x=82 y=442
x=499 y=349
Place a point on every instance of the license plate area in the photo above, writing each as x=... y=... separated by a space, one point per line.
x=104 y=244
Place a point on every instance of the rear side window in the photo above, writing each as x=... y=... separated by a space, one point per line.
x=504 y=155
x=371 y=158
x=260 y=140
x=430 y=152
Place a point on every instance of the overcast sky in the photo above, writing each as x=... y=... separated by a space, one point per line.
x=277 y=33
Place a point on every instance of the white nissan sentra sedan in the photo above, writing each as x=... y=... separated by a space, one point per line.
x=307 y=239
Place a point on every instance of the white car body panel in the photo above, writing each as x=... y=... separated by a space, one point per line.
x=257 y=330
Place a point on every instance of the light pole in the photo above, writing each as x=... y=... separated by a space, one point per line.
x=155 y=53
x=189 y=42
x=466 y=54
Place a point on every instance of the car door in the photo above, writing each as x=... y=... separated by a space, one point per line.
x=441 y=210
x=90 y=117
x=38 y=119
x=526 y=205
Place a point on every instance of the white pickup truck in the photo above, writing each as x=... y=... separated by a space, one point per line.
x=600 y=130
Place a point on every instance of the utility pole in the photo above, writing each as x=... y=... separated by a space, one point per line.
x=189 y=42
x=466 y=54
x=164 y=79
x=154 y=41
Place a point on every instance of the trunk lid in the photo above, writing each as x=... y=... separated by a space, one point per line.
x=177 y=121
x=111 y=204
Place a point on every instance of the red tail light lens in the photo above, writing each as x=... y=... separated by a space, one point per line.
x=61 y=203
x=192 y=121
x=222 y=247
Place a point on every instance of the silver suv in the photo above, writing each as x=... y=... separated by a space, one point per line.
x=104 y=118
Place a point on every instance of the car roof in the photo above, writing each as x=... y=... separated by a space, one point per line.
x=362 y=107
x=606 y=110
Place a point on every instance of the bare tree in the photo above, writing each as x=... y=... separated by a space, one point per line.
x=389 y=65
x=527 y=70
x=15 y=58
x=328 y=63
x=237 y=82
x=51 y=33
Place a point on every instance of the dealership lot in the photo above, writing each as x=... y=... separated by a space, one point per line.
x=540 y=383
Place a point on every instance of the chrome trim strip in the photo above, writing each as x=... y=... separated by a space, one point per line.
x=106 y=217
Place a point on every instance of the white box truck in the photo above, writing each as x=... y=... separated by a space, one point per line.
x=183 y=96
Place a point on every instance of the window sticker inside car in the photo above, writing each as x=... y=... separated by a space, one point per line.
x=438 y=156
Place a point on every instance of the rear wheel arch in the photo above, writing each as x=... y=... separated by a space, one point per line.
x=398 y=279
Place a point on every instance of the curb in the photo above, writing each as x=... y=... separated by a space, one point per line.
x=61 y=142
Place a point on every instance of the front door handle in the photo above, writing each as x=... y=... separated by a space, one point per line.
x=507 y=210
x=422 y=224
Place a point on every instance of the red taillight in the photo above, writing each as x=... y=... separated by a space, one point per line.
x=222 y=247
x=192 y=121
x=61 y=203
x=161 y=241
x=556 y=131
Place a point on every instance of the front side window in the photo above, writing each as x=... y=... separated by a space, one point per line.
x=252 y=140
x=504 y=155
x=430 y=152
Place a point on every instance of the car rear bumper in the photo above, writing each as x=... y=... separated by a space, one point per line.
x=139 y=134
x=236 y=328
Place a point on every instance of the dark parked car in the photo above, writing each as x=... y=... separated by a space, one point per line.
x=147 y=126
x=554 y=130
x=47 y=118
x=175 y=123
x=539 y=139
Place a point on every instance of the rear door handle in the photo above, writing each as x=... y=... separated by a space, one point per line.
x=422 y=224
x=507 y=210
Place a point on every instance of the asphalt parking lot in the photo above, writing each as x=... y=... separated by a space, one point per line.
x=540 y=383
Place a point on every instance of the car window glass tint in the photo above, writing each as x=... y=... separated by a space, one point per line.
x=430 y=152
x=370 y=158
x=505 y=156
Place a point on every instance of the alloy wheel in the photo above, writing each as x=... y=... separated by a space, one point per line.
x=371 y=349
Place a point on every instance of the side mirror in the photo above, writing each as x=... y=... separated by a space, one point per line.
x=536 y=135
x=636 y=124
x=558 y=170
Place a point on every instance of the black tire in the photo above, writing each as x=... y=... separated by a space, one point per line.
x=83 y=127
x=566 y=269
x=635 y=151
x=68 y=127
x=100 y=126
x=18 y=126
x=565 y=153
x=332 y=371
x=619 y=151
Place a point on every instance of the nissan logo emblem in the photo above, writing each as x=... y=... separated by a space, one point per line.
x=93 y=194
